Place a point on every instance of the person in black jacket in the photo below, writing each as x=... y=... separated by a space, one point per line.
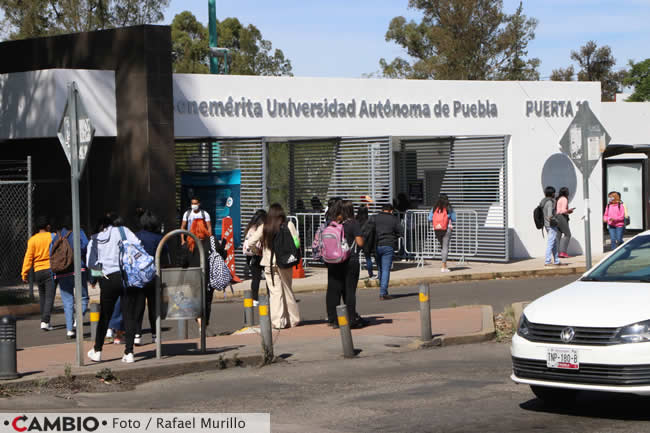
x=368 y=233
x=388 y=230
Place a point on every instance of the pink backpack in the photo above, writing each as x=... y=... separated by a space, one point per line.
x=334 y=248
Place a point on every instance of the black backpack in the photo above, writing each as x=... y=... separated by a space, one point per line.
x=284 y=249
x=369 y=234
x=538 y=216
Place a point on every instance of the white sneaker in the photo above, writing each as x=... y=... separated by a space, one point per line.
x=74 y=324
x=153 y=339
x=46 y=326
x=137 y=340
x=443 y=270
x=70 y=334
x=109 y=333
x=256 y=303
x=94 y=356
x=128 y=358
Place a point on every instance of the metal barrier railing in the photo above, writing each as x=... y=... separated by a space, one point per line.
x=420 y=240
x=307 y=225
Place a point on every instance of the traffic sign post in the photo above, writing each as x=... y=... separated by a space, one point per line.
x=584 y=142
x=76 y=133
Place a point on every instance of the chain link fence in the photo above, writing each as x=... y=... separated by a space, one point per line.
x=15 y=218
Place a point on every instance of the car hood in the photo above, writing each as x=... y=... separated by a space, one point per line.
x=593 y=304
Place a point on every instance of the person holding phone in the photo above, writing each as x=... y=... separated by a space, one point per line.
x=562 y=213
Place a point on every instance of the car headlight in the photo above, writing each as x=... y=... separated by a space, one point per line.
x=636 y=333
x=522 y=327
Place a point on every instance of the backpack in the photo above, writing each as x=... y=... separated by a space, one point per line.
x=284 y=248
x=440 y=219
x=219 y=273
x=316 y=244
x=251 y=250
x=538 y=216
x=187 y=217
x=334 y=247
x=61 y=254
x=137 y=266
x=369 y=233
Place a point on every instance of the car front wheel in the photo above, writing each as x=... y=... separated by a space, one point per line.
x=554 y=396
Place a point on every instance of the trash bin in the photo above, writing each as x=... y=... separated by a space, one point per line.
x=181 y=293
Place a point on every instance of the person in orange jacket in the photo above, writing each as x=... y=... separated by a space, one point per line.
x=38 y=257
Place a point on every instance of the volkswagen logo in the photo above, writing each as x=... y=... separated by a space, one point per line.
x=567 y=335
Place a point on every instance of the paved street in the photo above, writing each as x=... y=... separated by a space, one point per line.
x=454 y=389
x=228 y=315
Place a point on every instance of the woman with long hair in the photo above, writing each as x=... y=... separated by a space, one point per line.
x=562 y=212
x=254 y=253
x=442 y=217
x=615 y=215
x=111 y=285
x=342 y=278
x=284 y=309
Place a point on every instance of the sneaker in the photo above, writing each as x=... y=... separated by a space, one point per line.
x=255 y=303
x=563 y=255
x=94 y=356
x=385 y=297
x=374 y=277
x=46 y=326
x=119 y=337
x=128 y=358
x=153 y=339
x=70 y=334
x=444 y=270
x=137 y=340
x=109 y=333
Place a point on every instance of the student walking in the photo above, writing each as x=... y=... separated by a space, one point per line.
x=193 y=214
x=615 y=216
x=388 y=230
x=443 y=218
x=150 y=237
x=368 y=234
x=284 y=309
x=38 y=257
x=343 y=277
x=66 y=279
x=549 y=206
x=253 y=254
x=562 y=212
x=104 y=252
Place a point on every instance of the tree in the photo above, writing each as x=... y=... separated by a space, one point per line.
x=249 y=54
x=596 y=64
x=639 y=77
x=34 y=18
x=463 y=40
x=190 y=47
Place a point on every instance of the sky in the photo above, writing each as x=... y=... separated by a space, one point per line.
x=344 y=38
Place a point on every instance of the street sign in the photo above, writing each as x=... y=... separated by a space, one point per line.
x=585 y=140
x=85 y=130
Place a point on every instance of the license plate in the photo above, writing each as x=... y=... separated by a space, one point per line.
x=562 y=358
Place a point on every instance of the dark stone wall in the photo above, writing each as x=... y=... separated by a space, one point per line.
x=138 y=168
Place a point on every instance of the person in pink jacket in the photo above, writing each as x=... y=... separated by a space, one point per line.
x=615 y=214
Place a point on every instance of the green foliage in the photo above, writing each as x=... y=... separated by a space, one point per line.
x=463 y=40
x=34 y=18
x=639 y=77
x=249 y=54
x=596 y=64
x=278 y=179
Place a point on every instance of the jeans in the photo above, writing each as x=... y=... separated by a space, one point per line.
x=148 y=295
x=384 y=263
x=368 y=263
x=66 y=286
x=443 y=238
x=551 y=246
x=117 y=318
x=257 y=273
x=46 y=292
x=616 y=235
x=342 y=280
x=564 y=232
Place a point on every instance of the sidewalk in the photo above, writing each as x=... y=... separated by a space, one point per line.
x=312 y=342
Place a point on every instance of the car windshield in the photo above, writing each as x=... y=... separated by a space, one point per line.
x=631 y=262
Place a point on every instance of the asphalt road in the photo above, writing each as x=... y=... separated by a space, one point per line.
x=454 y=389
x=228 y=315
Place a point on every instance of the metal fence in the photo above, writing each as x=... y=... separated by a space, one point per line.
x=420 y=240
x=16 y=215
x=307 y=225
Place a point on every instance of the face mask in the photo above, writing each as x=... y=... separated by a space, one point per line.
x=611 y=199
x=195 y=207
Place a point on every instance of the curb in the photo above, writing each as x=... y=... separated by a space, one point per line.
x=486 y=333
x=518 y=309
x=20 y=310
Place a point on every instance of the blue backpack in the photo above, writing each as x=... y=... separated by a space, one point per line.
x=137 y=266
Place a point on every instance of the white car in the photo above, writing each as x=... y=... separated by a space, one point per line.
x=593 y=334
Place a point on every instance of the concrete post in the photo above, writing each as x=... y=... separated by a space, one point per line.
x=94 y=320
x=346 y=333
x=265 y=328
x=8 y=359
x=248 y=308
x=181 y=330
x=425 y=313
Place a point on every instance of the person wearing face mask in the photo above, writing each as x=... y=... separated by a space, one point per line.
x=195 y=213
x=615 y=215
